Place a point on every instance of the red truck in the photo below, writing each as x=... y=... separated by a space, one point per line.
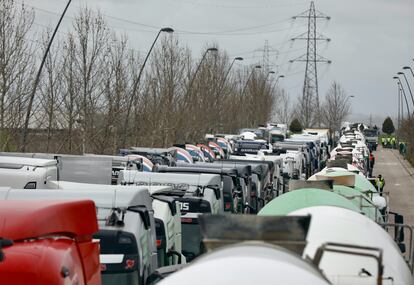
x=48 y=242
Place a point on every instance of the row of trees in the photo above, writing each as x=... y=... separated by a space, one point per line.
x=91 y=99
x=406 y=134
x=334 y=109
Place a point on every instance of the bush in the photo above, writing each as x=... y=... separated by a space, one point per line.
x=295 y=126
x=388 y=126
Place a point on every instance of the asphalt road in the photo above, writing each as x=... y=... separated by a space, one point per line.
x=399 y=182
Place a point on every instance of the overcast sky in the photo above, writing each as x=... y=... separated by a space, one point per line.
x=371 y=39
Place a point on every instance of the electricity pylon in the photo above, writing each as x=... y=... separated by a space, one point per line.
x=310 y=95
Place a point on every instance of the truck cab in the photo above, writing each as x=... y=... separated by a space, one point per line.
x=196 y=193
x=236 y=183
x=167 y=216
x=274 y=163
x=158 y=156
x=262 y=177
x=129 y=162
x=243 y=147
x=27 y=172
x=128 y=252
x=232 y=190
x=49 y=242
x=371 y=137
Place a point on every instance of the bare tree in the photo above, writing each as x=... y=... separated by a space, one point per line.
x=70 y=94
x=336 y=107
x=91 y=76
x=92 y=37
x=50 y=88
x=116 y=89
x=282 y=108
x=16 y=65
x=308 y=109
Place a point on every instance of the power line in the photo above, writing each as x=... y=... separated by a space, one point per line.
x=266 y=6
x=232 y=32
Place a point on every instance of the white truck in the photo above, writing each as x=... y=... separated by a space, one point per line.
x=126 y=228
x=197 y=194
x=27 y=173
x=167 y=217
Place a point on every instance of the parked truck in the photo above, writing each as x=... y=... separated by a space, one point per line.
x=126 y=233
x=196 y=193
x=49 y=242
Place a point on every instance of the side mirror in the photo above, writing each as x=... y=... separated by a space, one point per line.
x=402 y=247
x=154 y=278
x=399 y=219
x=144 y=213
x=176 y=253
x=401 y=235
x=4 y=242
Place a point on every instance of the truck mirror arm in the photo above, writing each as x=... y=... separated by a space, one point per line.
x=4 y=242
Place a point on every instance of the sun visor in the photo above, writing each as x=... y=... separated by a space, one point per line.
x=287 y=231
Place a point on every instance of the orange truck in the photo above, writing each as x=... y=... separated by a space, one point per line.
x=48 y=242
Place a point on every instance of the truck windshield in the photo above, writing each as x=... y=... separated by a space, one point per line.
x=191 y=238
x=370 y=133
x=119 y=257
x=277 y=138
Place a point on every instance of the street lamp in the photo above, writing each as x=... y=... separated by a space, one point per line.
x=409 y=88
x=408 y=67
x=267 y=76
x=244 y=90
x=350 y=97
x=405 y=97
x=277 y=80
x=399 y=111
x=213 y=49
x=222 y=86
x=250 y=75
x=228 y=72
x=37 y=80
x=136 y=85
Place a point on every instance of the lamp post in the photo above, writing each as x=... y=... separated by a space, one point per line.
x=248 y=79
x=198 y=67
x=349 y=97
x=136 y=85
x=270 y=72
x=244 y=90
x=37 y=80
x=221 y=89
x=405 y=97
x=267 y=77
x=280 y=76
x=277 y=80
x=227 y=74
x=408 y=67
x=409 y=87
x=399 y=113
